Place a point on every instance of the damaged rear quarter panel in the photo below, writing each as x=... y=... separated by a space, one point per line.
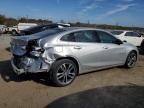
x=54 y=48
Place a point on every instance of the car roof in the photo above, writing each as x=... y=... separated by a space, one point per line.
x=80 y=28
x=67 y=30
x=123 y=30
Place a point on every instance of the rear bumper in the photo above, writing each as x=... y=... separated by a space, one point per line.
x=29 y=65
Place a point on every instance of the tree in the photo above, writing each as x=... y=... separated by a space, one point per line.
x=11 y=22
x=2 y=19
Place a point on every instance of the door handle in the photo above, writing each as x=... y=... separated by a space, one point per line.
x=77 y=47
x=124 y=41
x=105 y=47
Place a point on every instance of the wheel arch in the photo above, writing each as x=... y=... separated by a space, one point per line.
x=73 y=59
x=142 y=43
x=135 y=52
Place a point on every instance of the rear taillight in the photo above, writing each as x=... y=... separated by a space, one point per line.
x=31 y=44
x=34 y=49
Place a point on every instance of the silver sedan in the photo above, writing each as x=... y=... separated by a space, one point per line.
x=65 y=53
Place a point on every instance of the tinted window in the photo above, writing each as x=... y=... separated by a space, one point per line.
x=69 y=37
x=106 y=38
x=82 y=36
x=38 y=29
x=132 y=34
x=117 y=32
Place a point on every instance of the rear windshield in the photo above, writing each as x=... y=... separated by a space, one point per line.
x=49 y=32
x=32 y=28
x=117 y=32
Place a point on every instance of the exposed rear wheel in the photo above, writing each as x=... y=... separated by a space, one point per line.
x=63 y=72
x=142 y=48
x=14 y=32
x=131 y=60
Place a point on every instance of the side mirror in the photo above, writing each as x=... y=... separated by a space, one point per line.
x=119 y=42
x=124 y=41
x=140 y=35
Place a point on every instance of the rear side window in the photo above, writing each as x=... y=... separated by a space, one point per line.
x=105 y=37
x=69 y=38
x=132 y=34
x=82 y=36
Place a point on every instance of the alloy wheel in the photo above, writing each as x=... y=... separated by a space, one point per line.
x=132 y=60
x=66 y=73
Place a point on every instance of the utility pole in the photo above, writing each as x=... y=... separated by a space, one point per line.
x=88 y=22
x=27 y=18
x=117 y=24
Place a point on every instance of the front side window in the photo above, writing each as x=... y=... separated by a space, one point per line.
x=105 y=37
x=82 y=36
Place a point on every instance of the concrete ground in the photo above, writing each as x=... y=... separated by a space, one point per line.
x=112 y=88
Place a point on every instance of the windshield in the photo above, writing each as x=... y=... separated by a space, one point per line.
x=116 y=32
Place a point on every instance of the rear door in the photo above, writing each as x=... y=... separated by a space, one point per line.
x=85 y=47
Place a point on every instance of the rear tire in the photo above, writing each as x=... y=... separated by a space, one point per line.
x=14 y=32
x=131 y=60
x=63 y=72
x=142 y=47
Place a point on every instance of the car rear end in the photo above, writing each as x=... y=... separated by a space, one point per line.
x=26 y=56
x=30 y=54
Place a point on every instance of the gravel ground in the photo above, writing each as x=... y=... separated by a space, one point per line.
x=112 y=88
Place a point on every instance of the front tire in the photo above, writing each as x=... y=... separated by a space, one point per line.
x=131 y=60
x=63 y=72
